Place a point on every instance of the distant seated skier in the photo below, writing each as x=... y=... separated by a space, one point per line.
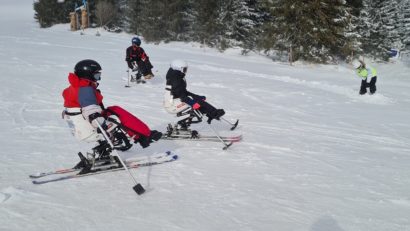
x=138 y=60
x=365 y=72
x=84 y=106
x=177 y=97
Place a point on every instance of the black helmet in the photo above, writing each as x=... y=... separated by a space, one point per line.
x=136 y=41
x=88 y=69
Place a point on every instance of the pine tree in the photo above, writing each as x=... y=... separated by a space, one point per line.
x=205 y=25
x=373 y=31
x=254 y=26
x=405 y=23
x=51 y=12
x=133 y=16
x=352 y=46
x=241 y=21
x=179 y=20
x=313 y=29
x=390 y=15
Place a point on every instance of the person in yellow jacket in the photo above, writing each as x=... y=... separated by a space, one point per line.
x=365 y=72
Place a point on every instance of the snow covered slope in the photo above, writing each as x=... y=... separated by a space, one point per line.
x=315 y=156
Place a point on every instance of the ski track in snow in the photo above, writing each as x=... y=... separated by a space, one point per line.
x=373 y=99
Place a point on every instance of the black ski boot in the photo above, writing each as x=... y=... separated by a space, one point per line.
x=216 y=114
x=145 y=141
x=84 y=165
x=155 y=135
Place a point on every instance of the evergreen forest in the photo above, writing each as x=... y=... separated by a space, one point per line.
x=320 y=31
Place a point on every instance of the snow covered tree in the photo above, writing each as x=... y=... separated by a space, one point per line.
x=153 y=18
x=179 y=18
x=373 y=30
x=158 y=20
x=253 y=24
x=405 y=23
x=352 y=45
x=314 y=29
x=133 y=16
x=206 y=27
x=241 y=21
x=390 y=14
x=225 y=23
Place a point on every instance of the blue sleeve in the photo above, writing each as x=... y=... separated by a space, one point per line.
x=86 y=96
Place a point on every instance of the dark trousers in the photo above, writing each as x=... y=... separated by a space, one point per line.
x=371 y=85
x=205 y=106
x=145 y=67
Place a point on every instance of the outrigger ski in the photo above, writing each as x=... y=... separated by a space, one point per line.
x=234 y=125
x=70 y=173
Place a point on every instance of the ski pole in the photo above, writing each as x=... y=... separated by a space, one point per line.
x=128 y=78
x=226 y=146
x=138 y=187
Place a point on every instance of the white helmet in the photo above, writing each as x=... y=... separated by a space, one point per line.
x=357 y=63
x=179 y=65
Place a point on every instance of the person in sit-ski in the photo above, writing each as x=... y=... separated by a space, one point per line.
x=138 y=60
x=82 y=99
x=178 y=97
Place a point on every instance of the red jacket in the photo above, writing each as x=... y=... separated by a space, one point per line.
x=71 y=93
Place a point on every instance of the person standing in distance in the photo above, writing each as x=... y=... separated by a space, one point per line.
x=365 y=72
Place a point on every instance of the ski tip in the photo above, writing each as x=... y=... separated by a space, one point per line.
x=238 y=138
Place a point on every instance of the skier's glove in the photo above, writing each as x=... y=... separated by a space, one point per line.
x=135 y=68
x=98 y=118
x=196 y=106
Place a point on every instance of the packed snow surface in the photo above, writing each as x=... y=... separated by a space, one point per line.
x=315 y=156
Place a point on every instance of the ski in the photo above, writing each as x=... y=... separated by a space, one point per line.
x=189 y=137
x=160 y=159
x=69 y=170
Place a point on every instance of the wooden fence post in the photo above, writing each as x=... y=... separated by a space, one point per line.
x=73 y=21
